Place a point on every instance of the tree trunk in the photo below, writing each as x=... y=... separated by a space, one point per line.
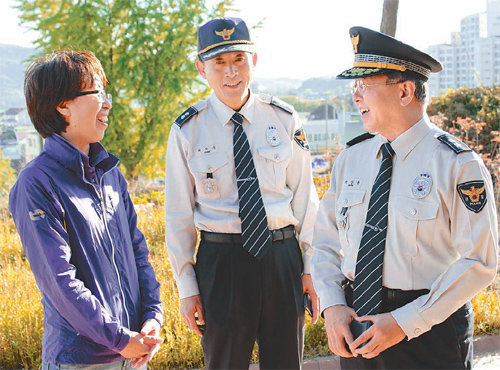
x=389 y=17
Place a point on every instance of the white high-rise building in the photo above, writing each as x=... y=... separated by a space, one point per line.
x=472 y=58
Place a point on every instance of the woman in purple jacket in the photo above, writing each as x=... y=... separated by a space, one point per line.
x=78 y=227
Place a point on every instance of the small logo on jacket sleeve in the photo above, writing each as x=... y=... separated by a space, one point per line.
x=37 y=214
x=473 y=195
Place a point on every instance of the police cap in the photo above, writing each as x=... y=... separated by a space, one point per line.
x=376 y=53
x=223 y=35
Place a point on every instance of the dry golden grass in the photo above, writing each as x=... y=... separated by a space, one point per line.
x=21 y=310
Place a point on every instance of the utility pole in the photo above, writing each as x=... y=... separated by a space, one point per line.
x=326 y=124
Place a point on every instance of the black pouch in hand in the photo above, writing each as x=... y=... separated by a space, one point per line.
x=308 y=304
x=358 y=328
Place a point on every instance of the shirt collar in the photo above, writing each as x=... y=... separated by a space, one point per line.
x=409 y=139
x=224 y=113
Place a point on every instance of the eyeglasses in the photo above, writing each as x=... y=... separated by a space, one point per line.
x=360 y=86
x=101 y=94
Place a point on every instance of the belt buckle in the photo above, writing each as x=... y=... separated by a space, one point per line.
x=391 y=294
x=276 y=233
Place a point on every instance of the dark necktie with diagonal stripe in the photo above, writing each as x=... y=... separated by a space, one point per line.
x=254 y=228
x=367 y=297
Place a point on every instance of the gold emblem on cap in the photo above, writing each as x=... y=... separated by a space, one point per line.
x=355 y=42
x=225 y=33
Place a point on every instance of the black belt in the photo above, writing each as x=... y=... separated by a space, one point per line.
x=287 y=232
x=389 y=294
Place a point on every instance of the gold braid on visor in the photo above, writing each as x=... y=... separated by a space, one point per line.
x=384 y=62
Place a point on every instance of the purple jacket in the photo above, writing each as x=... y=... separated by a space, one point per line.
x=89 y=259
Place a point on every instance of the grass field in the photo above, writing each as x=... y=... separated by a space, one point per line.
x=21 y=311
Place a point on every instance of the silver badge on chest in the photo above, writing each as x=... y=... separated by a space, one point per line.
x=421 y=185
x=209 y=185
x=272 y=136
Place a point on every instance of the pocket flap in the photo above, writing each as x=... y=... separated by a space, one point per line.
x=416 y=209
x=351 y=197
x=208 y=163
x=278 y=153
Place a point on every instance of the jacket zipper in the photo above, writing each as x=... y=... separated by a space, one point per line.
x=101 y=200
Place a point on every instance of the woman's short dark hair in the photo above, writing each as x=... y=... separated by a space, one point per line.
x=56 y=78
x=420 y=85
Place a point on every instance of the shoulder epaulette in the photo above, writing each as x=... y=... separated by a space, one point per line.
x=277 y=103
x=186 y=115
x=456 y=145
x=359 y=139
x=190 y=112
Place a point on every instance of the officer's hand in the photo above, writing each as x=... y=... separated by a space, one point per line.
x=384 y=333
x=307 y=286
x=337 y=320
x=189 y=307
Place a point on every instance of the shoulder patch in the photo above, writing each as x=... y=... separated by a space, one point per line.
x=300 y=138
x=473 y=195
x=456 y=145
x=359 y=139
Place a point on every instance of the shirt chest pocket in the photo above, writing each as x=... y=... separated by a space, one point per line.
x=350 y=215
x=209 y=172
x=415 y=223
x=271 y=164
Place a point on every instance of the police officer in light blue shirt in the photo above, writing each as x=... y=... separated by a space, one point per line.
x=239 y=171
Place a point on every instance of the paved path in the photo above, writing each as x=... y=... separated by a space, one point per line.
x=486 y=356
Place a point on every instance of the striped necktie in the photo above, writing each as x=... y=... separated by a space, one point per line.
x=367 y=297
x=254 y=228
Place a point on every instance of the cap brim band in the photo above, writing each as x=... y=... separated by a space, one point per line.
x=380 y=65
x=247 y=48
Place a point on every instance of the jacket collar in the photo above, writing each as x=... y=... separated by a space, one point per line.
x=73 y=159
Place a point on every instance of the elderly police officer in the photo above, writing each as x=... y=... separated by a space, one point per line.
x=239 y=170
x=407 y=233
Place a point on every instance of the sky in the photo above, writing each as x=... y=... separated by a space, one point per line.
x=310 y=38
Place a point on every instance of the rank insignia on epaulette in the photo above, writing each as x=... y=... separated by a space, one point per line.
x=456 y=145
x=300 y=138
x=185 y=116
x=473 y=195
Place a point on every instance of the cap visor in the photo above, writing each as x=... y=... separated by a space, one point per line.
x=247 y=48
x=358 y=72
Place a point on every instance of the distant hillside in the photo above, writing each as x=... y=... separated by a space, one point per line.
x=276 y=86
x=316 y=88
x=13 y=60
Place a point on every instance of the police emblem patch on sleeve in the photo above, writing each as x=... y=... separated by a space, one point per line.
x=473 y=195
x=300 y=138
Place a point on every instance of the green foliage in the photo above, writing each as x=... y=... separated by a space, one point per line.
x=148 y=49
x=302 y=105
x=480 y=104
